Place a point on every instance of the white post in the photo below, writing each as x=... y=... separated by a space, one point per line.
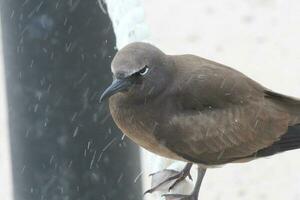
x=6 y=186
x=127 y=17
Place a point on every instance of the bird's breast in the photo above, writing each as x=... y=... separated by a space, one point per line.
x=141 y=125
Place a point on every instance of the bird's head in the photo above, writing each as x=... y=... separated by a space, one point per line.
x=140 y=71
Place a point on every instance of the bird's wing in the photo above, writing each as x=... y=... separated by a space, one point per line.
x=225 y=135
x=222 y=116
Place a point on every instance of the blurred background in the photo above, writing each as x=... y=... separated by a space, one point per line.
x=259 y=38
x=57 y=57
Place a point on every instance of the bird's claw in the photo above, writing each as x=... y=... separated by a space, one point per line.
x=161 y=180
x=180 y=177
x=168 y=179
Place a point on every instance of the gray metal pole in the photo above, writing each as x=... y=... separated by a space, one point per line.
x=64 y=143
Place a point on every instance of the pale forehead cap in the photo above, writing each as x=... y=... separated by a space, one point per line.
x=134 y=57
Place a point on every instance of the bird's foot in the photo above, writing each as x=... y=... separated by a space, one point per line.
x=180 y=197
x=169 y=177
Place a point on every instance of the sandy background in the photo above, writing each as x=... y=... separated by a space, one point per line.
x=259 y=38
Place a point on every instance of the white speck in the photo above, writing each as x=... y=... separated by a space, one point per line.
x=35 y=107
x=23 y=169
x=65 y=21
x=120 y=178
x=93 y=159
x=70 y=164
x=31 y=64
x=138 y=176
x=75 y=131
x=256 y=122
x=74 y=116
x=105 y=148
x=123 y=136
x=89 y=144
x=51 y=159
x=223 y=83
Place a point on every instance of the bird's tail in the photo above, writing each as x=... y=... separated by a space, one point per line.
x=290 y=104
x=289 y=141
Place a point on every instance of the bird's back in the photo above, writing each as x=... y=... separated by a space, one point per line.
x=224 y=116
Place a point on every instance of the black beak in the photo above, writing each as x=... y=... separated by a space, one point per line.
x=117 y=85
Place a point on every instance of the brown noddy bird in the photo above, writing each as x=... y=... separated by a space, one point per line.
x=188 y=108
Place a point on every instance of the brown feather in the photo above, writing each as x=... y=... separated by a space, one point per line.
x=204 y=112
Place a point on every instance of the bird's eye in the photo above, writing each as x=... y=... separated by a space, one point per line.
x=144 y=71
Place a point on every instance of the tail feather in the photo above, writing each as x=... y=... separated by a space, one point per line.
x=289 y=141
x=290 y=104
